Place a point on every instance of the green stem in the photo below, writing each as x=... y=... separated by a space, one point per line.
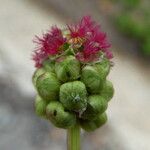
x=73 y=138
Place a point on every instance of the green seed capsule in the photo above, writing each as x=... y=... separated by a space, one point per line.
x=40 y=106
x=68 y=69
x=57 y=114
x=107 y=91
x=96 y=106
x=48 y=86
x=103 y=68
x=91 y=79
x=36 y=74
x=93 y=125
x=73 y=95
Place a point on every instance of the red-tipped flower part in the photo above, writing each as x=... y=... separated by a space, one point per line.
x=39 y=57
x=89 y=52
x=49 y=44
x=94 y=40
x=83 y=28
x=85 y=38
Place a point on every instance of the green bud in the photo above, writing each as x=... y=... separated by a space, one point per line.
x=93 y=125
x=103 y=68
x=36 y=74
x=107 y=91
x=73 y=95
x=96 y=106
x=49 y=65
x=48 y=86
x=91 y=79
x=57 y=114
x=68 y=69
x=40 y=106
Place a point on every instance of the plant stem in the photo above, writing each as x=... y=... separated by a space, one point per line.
x=73 y=138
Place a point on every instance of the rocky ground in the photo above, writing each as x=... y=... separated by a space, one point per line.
x=20 y=129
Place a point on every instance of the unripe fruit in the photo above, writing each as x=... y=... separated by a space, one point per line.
x=68 y=69
x=107 y=91
x=40 y=106
x=36 y=74
x=73 y=96
x=91 y=79
x=48 y=86
x=103 y=68
x=96 y=106
x=57 y=114
x=94 y=124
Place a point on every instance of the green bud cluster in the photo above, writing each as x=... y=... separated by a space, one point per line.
x=71 y=92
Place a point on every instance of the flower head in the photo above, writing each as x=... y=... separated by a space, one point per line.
x=94 y=44
x=85 y=38
x=88 y=33
x=49 y=44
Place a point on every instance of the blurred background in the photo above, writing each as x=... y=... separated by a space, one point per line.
x=127 y=23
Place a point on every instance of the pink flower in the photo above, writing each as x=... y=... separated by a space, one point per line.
x=94 y=39
x=95 y=43
x=49 y=44
x=99 y=43
x=55 y=31
x=83 y=28
x=89 y=52
x=100 y=40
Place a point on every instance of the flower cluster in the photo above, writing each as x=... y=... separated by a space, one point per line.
x=71 y=76
x=85 y=38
